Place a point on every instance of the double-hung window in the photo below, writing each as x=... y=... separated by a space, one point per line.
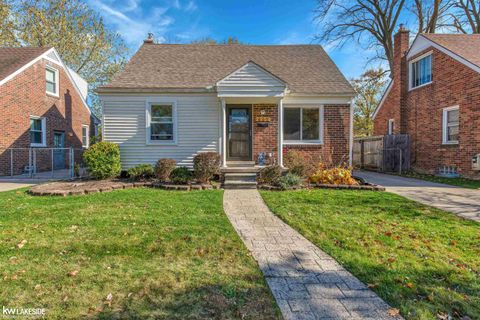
x=421 y=71
x=161 y=125
x=51 y=78
x=391 y=126
x=302 y=124
x=85 y=137
x=451 y=125
x=37 y=131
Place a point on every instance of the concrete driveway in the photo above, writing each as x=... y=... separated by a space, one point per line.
x=461 y=201
x=12 y=185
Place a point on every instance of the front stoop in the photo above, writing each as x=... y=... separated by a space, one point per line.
x=240 y=175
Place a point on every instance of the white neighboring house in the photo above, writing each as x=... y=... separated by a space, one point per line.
x=245 y=102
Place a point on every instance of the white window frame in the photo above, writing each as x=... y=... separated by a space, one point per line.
x=87 y=137
x=57 y=85
x=391 y=126
x=320 y=125
x=445 y=124
x=410 y=70
x=148 y=118
x=44 y=131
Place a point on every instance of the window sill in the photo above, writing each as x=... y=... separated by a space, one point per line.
x=315 y=143
x=151 y=143
x=453 y=143
x=421 y=86
x=52 y=95
x=38 y=145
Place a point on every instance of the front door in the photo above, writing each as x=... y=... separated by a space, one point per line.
x=58 y=152
x=239 y=133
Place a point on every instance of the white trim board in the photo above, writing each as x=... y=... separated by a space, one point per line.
x=422 y=43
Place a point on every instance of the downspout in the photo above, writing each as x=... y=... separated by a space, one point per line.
x=350 y=153
x=280 y=133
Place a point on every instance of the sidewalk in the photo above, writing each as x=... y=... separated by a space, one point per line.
x=306 y=282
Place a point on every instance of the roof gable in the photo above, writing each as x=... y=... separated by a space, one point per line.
x=463 y=48
x=304 y=68
x=252 y=80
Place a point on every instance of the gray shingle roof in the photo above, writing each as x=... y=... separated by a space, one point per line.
x=466 y=46
x=12 y=59
x=305 y=68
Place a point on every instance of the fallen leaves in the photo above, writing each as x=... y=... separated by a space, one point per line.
x=393 y=312
x=21 y=244
x=73 y=273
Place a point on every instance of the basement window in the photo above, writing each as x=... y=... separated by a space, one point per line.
x=451 y=125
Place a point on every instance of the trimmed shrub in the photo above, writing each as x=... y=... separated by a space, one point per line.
x=103 y=160
x=141 y=172
x=337 y=175
x=289 y=180
x=205 y=165
x=181 y=175
x=302 y=165
x=164 y=168
x=269 y=175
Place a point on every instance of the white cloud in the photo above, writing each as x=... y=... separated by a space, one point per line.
x=131 y=22
x=191 y=6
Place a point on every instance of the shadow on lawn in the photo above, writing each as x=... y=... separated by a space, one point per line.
x=206 y=302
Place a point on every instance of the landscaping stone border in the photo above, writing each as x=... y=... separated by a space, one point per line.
x=41 y=190
x=370 y=187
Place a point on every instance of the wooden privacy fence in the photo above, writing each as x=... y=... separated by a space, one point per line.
x=389 y=153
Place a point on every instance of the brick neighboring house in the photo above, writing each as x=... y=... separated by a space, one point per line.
x=43 y=105
x=434 y=96
x=243 y=101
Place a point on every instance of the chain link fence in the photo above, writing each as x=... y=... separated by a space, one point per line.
x=41 y=163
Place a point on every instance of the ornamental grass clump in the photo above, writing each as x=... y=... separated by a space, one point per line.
x=164 y=168
x=337 y=175
x=288 y=181
x=206 y=165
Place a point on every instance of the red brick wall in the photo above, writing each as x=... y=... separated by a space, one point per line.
x=336 y=133
x=265 y=139
x=453 y=84
x=25 y=95
x=421 y=117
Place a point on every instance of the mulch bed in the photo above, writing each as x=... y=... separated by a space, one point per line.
x=80 y=187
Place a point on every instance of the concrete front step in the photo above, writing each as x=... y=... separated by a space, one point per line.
x=241 y=164
x=241 y=176
x=240 y=169
x=239 y=184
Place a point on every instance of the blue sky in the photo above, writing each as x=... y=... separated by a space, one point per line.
x=251 y=21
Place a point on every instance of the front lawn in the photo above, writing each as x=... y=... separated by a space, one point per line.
x=421 y=260
x=138 y=253
x=459 y=182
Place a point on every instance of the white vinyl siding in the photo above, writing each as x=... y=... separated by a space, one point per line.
x=250 y=81
x=198 y=128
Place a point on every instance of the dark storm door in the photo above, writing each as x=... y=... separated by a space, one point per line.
x=239 y=133
x=58 y=152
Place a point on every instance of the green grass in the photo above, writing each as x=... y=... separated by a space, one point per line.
x=459 y=182
x=421 y=260
x=167 y=255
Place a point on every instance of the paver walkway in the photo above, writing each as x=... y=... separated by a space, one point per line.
x=305 y=281
x=461 y=201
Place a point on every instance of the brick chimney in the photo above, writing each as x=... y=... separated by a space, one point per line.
x=401 y=44
x=149 y=38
